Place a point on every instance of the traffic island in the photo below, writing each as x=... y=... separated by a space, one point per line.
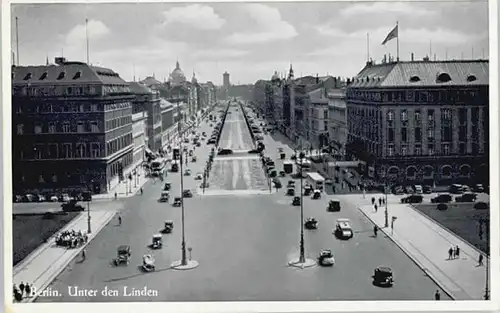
x=306 y=264
x=191 y=264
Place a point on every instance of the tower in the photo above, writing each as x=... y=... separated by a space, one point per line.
x=291 y=85
x=225 y=80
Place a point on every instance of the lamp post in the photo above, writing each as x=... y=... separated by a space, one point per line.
x=386 y=211
x=183 y=263
x=89 y=227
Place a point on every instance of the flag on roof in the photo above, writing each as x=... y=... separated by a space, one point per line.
x=393 y=34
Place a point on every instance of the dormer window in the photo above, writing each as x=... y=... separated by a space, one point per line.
x=367 y=79
x=471 y=78
x=28 y=76
x=44 y=75
x=77 y=75
x=443 y=78
x=414 y=79
x=61 y=75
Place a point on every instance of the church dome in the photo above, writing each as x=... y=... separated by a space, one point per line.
x=177 y=76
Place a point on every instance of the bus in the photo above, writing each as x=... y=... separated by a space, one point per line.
x=158 y=165
x=316 y=180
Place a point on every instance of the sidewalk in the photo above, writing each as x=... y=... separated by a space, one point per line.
x=43 y=265
x=427 y=243
x=127 y=188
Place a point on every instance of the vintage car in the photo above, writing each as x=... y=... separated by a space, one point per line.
x=198 y=176
x=311 y=223
x=333 y=206
x=316 y=194
x=123 y=255
x=157 y=242
x=343 y=229
x=168 y=227
x=191 y=152
x=148 y=263
x=186 y=193
x=412 y=199
x=167 y=186
x=187 y=172
x=165 y=196
x=198 y=144
x=296 y=201
x=290 y=191
x=177 y=201
x=282 y=173
x=382 y=276
x=291 y=183
x=326 y=258
x=174 y=168
x=194 y=159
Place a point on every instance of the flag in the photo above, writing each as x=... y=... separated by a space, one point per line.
x=393 y=34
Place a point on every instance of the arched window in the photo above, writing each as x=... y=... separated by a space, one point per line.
x=465 y=170
x=443 y=78
x=428 y=171
x=446 y=170
x=471 y=78
x=414 y=79
x=411 y=171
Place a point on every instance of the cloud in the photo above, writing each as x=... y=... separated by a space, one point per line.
x=196 y=15
x=271 y=25
x=389 y=7
x=220 y=53
x=96 y=30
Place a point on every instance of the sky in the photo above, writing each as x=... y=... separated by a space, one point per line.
x=248 y=40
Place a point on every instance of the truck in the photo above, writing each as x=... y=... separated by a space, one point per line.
x=316 y=180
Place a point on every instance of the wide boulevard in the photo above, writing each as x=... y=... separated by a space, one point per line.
x=243 y=243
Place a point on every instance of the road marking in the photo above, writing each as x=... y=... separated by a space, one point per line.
x=235 y=192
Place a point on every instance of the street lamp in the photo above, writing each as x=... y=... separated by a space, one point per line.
x=183 y=263
x=89 y=227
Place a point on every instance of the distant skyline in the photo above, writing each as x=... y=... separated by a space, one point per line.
x=248 y=40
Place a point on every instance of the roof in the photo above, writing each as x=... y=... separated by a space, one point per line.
x=66 y=73
x=139 y=89
x=148 y=81
x=424 y=73
x=317 y=96
x=165 y=104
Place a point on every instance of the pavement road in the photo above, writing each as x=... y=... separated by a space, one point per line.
x=243 y=245
x=235 y=133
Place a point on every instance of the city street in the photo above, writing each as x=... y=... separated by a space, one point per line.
x=243 y=245
x=235 y=134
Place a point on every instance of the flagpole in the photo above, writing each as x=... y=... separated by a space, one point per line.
x=17 y=42
x=87 y=37
x=397 y=38
x=367 y=47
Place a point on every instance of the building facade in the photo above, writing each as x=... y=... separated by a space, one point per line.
x=337 y=116
x=139 y=123
x=167 y=121
x=422 y=121
x=318 y=118
x=72 y=127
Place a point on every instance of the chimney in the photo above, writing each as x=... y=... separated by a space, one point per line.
x=60 y=60
x=412 y=56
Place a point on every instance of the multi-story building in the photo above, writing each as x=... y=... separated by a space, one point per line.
x=226 y=83
x=207 y=95
x=139 y=123
x=151 y=82
x=167 y=121
x=72 y=127
x=421 y=121
x=150 y=100
x=337 y=120
x=317 y=130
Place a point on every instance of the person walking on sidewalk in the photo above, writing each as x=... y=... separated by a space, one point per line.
x=376 y=207
x=116 y=195
x=375 y=230
x=453 y=252
x=480 y=260
x=119 y=219
x=437 y=295
x=450 y=253
x=84 y=255
x=457 y=252
x=142 y=191
x=21 y=288
x=380 y=201
x=28 y=290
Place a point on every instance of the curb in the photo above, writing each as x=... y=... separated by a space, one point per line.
x=417 y=262
x=44 y=246
x=59 y=270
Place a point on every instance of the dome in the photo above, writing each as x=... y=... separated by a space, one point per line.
x=177 y=76
x=275 y=76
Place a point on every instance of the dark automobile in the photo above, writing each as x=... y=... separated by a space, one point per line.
x=177 y=201
x=225 y=152
x=167 y=186
x=174 y=168
x=412 y=199
x=478 y=188
x=481 y=206
x=442 y=207
x=187 y=193
x=290 y=192
x=72 y=206
x=382 y=276
x=123 y=255
x=86 y=196
x=211 y=141
x=296 y=201
x=277 y=183
x=442 y=198
x=427 y=189
x=398 y=190
x=311 y=223
x=466 y=197
x=333 y=206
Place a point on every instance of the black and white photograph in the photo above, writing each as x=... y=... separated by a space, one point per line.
x=251 y=152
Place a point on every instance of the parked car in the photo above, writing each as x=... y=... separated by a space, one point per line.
x=478 y=188
x=442 y=198
x=442 y=207
x=412 y=199
x=481 y=206
x=418 y=189
x=427 y=189
x=466 y=197
x=72 y=206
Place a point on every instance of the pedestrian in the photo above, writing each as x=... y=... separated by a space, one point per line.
x=28 y=290
x=15 y=289
x=450 y=253
x=21 y=287
x=480 y=261
x=84 y=254
x=119 y=220
x=373 y=200
x=376 y=208
x=437 y=295
x=380 y=201
x=116 y=195
x=375 y=230
x=453 y=252
x=457 y=252
x=142 y=191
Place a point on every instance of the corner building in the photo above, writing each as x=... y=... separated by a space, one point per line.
x=422 y=121
x=72 y=128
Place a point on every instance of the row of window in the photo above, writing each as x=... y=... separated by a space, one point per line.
x=122 y=163
x=446 y=149
x=118 y=122
x=57 y=91
x=60 y=127
x=446 y=134
x=418 y=96
x=118 y=143
x=63 y=151
x=70 y=107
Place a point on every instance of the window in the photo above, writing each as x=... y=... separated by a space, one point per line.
x=325 y=126
x=404 y=150
x=446 y=134
x=404 y=115
x=404 y=134
x=325 y=114
x=418 y=134
x=390 y=115
x=430 y=134
x=52 y=152
x=20 y=129
x=446 y=149
x=390 y=150
x=462 y=133
x=54 y=178
x=52 y=127
x=61 y=75
x=462 y=115
x=80 y=150
x=430 y=115
x=95 y=150
x=94 y=127
x=67 y=151
x=418 y=150
x=417 y=115
x=38 y=152
x=430 y=149
x=66 y=127
x=93 y=107
x=38 y=128
x=80 y=127
x=446 y=114
x=462 y=148
x=41 y=180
